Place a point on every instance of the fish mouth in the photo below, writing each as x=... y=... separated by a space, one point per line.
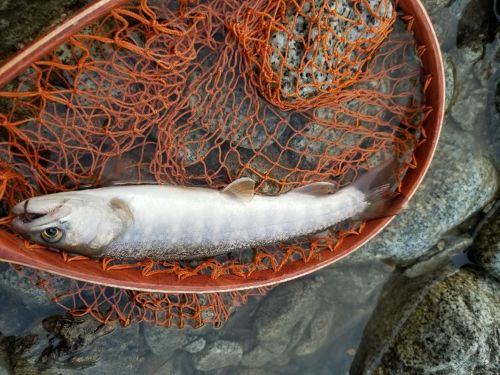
x=23 y=214
x=31 y=214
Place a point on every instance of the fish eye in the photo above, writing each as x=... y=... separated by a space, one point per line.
x=51 y=234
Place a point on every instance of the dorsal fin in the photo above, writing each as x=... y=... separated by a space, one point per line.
x=242 y=188
x=317 y=188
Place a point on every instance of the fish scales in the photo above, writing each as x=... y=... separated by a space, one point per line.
x=176 y=220
x=172 y=222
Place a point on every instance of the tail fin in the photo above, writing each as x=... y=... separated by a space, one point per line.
x=375 y=184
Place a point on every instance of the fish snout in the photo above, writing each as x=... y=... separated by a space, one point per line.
x=38 y=210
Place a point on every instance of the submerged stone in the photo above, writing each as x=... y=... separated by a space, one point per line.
x=279 y=315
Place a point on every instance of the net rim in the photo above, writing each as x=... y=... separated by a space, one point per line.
x=11 y=248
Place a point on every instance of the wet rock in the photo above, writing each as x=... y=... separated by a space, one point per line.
x=432 y=6
x=257 y=357
x=36 y=16
x=470 y=108
x=5 y=368
x=121 y=352
x=487 y=245
x=318 y=332
x=77 y=333
x=320 y=58
x=440 y=256
x=164 y=341
x=24 y=289
x=195 y=346
x=176 y=365
x=351 y=283
x=459 y=182
x=24 y=353
x=438 y=323
x=64 y=345
x=254 y=371
x=476 y=23
x=286 y=310
x=486 y=71
x=449 y=74
x=217 y=355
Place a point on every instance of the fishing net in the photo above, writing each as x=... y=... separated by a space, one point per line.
x=200 y=93
x=109 y=305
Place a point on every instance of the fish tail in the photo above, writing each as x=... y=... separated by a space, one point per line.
x=375 y=185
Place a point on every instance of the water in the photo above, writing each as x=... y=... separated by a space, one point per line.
x=344 y=295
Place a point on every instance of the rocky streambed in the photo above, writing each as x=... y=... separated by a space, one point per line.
x=422 y=297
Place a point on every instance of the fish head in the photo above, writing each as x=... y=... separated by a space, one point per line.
x=72 y=222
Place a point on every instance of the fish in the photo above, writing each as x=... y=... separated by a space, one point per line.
x=168 y=222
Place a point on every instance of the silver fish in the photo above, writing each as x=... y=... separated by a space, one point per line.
x=170 y=222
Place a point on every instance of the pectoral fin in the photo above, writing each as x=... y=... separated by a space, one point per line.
x=242 y=188
x=123 y=211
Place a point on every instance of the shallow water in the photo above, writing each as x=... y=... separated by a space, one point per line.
x=348 y=291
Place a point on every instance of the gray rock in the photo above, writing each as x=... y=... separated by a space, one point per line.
x=319 y=330
x=217 y=355
x=471 y=52
x=121 y=352
x=254 y=371
x=459 y=182
x=438 y=323
x=433 y=6
x=30 y=294
x=257 y=357
x=487 y=245
x=164 y=341
x=351 y=283
x=195 y=346
x=286 y=309
x=470 y=107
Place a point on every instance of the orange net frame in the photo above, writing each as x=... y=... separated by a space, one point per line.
x=200 y=93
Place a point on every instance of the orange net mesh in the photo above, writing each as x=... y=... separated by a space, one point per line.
x=201 y=93
x=304 y=53
x=109 y=305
